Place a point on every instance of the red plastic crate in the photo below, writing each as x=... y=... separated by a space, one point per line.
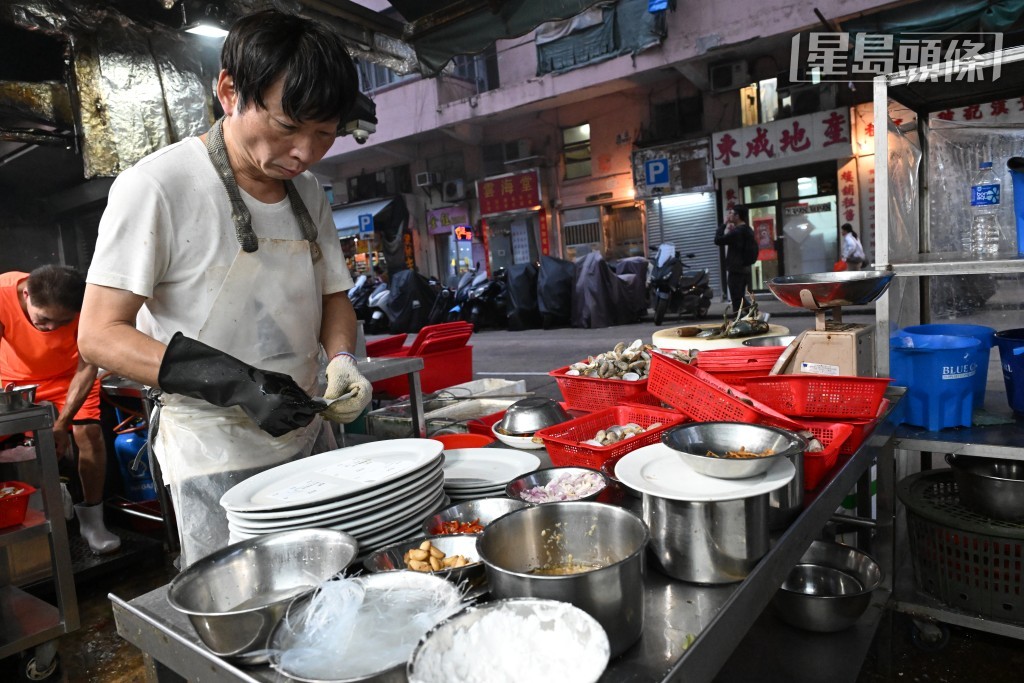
x=737 y=379
x=482 y=425
x=593 y=393
x=746 y=358
x=563 y=440
x=14 y=507
x=832 y=437
x=704 y=398
x=862 y=429
x=835 y=397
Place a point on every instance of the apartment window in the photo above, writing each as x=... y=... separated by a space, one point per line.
x=759 y=102
x=480 y=69
x=576 y=151
x=373 y=76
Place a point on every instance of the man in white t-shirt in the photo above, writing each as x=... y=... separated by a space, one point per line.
x=218 y=276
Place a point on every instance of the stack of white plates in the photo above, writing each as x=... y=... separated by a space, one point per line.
x=483 y=472
x=378 y=492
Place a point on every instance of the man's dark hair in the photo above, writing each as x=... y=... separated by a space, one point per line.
x=741 y=211
x=56 y=287
x=320 y=79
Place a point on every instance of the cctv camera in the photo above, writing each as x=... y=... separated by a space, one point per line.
x=360 y=135
x=360 y=130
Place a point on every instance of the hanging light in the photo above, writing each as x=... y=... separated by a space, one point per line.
x=206 y=21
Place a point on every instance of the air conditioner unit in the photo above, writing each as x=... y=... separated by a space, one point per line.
x=728 y=76
x=807 y=98
x=517 y=149
x=453 y=190
x=427 y=179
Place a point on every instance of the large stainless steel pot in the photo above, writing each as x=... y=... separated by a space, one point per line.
x=17 y=398
x=584 y=533
x=785 y=504
x=993 y=487
x=708 y=542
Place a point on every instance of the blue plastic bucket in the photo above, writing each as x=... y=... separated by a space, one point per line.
x=1011 y=355
x=983 y=334
x=938 y=372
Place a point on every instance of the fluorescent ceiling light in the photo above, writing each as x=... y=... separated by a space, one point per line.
x=207 y=30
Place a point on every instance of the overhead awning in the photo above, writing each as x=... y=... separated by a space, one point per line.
x=346 y=218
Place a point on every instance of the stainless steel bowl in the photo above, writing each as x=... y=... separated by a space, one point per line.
x=829 y=589
x=693 y=441
x=553 y=535
x=990 y=486
x=780 y=340
x=235 y=596
x=850 y=288
x=527 y=415
x=390 y=557
x=708 y=542
x=485 y=510
x=438 y=651
x=17 y=397
x=518 y=486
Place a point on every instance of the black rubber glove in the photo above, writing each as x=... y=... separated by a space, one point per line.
x=273 y=400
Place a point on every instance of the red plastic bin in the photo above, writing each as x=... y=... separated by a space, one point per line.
x=563 y=440
x=862 y=429
x=832 y=437
x=834 y=397
x=704 y=398
x=13 y=507
x=746 y=358
x=593 y=393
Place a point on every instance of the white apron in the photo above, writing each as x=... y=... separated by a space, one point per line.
x=266 y=313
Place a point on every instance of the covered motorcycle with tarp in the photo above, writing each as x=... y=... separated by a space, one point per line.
x=601 y=298
x=556 y=279
x=633 y=271
x=410 y=298
x=521 y=297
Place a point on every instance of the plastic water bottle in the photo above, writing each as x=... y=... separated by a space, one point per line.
x=986 y=191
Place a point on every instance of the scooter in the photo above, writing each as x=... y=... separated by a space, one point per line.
x=673 y=288
x=378 y=321
x=486 y=304
x=467 y=281
x=359 y=295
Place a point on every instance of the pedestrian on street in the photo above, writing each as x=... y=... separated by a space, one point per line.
x=219 y=278
x=740 y=253
x=852 y=252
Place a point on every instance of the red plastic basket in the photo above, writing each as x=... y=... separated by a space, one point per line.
x=563 y=440
x=737 y=379
x=820 y=395
x=593 y=393
x=747 y=358
x=14 y=507
x=862 y=429
x=817 y=464
x=705 y=398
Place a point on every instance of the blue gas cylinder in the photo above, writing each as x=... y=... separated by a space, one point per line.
x=129 y=442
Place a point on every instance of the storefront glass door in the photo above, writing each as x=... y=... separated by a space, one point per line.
x=809 y=235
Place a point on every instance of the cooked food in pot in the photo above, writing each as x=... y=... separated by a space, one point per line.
x=742 y=453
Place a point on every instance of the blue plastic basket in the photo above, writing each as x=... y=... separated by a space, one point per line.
x=982 y=333
x=938 y=372
x=1011 y=353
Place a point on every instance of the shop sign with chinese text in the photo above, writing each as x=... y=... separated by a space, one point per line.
x=512 y=192
x=786 y=142
x=441 y=221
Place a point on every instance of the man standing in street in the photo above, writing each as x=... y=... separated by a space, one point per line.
x=740 y=254
x=38 y=345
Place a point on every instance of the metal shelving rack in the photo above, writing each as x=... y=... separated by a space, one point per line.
x=26 y=621
x=1000 y=441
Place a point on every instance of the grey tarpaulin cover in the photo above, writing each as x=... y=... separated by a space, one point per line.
x=555 y=283
x=601 y=297
x=521 y=297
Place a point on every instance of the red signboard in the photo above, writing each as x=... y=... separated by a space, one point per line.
x=514 y=192
x=545 y=242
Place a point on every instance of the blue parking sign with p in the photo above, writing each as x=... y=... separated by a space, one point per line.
x=365 y=223
x=656 y=172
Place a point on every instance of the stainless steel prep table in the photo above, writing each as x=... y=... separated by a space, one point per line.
x=717 y=617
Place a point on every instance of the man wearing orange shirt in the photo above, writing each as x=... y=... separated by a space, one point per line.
x=39 y=345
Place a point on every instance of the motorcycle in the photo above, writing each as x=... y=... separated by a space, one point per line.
x=359 y=295
x=486 y=304
x=466 y=282
x=377 y=321
x=675 y=289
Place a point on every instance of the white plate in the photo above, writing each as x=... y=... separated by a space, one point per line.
x=331 y=475
x=481 y=468
x=386 y=502
x=369 y=543
x=368 y=498
x=417 y=507
x=515 y=441
x=659 y=471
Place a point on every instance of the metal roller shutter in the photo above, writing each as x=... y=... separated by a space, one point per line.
x=690 y=223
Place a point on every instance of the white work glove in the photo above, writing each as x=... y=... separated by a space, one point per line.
x=343 y=378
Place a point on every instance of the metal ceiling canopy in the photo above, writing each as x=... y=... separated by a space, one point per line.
x=438 y=31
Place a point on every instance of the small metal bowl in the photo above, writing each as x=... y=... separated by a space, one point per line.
x=389 y=558
x=486 y=510
x=17 y=398
x=526 y=416
x=518 y=486
x=235 y=596
x=523 y=442
x=693 y=441
x=829 y=589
